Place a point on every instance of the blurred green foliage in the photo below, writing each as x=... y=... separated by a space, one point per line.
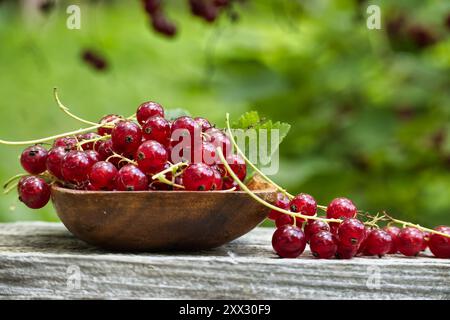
x=369 y=109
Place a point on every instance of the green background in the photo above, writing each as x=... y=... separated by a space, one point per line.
x=369 y=109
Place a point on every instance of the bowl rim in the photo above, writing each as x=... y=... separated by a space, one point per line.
x=99 y=192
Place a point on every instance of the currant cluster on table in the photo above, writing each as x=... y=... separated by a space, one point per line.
x=349 y=238
x=124 y=155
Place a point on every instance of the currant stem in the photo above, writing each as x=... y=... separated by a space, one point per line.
x=11 y=187
x=239 y=151
x=115 y=155
x=66 y=110
x=263 y=202
x=17 y=176
x=161 y=176
x=105 y=137
x=409 y=224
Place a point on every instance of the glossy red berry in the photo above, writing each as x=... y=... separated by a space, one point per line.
x=110 y=118
x=440 y=245
x=351 y=232
x=378 y=243
x=281 y=202
x=210 y=155
x=393 y=232
x=130 y=178
x=284 y=219
x=218 y=183
x=157 y=128
x=126 y=137
x=93 y=156
x=315 y=226
x=303 y=204
x=203 y=123
x=151 y=157
x=220 y=139
x=409 y=241
x=341 y=208
x=426 y=238
x=33 y=159
x=346 y=252
x=34 y=192
x=86 y=137
x=198 y=177
x=288 y=241
x=76 y=167
x=55 y=161
x=103 y=176
x=323 y=245
x=229 y=184
x=105 y=149
x=69 y=143
x=147 y=110
x=237 y=165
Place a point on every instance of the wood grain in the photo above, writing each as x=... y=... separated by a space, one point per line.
x=37 y=261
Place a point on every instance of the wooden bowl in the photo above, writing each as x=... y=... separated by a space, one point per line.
x=159 y=220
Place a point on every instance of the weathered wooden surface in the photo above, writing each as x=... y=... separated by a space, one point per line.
x=42 y=260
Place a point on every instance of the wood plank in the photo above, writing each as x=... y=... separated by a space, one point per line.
x=38 y=260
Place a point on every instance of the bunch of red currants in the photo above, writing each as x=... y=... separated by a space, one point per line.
x=349 y=237
x=151 y=153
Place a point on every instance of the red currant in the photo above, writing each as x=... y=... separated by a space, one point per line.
x=105 y=149
x=426 y=238
x=69 y=143
x=157 y=128
x=341 y=208
x=281 y=202
x=346 y=252
x=237 y=165
x=76 y=167
x=409 y=241
x=440 y=245
x=220 y=139
x=304 y=204
x=323 y=245
x=33 y=159
x=393 y=232
x=88 y=136
x=55 y=160
x=284 y=219
x=203 y=123
x=103 y=176
x=198 y=177
x=34 y=192
x=130 y=178
x=378 y=243
x=93 y=156
x=210 y=155
x=147 y=110
x=218 y=183
x=151 y=157
x=351 y=232
x=288 y=241
x=107 y=119
x=314 y=226
x=126 y=137
x=229 y=184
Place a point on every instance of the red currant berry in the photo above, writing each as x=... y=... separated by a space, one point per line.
x=187 y=126
x=126 y=137
x=157 y=128
x=341 y=208
x=220 y=139
x=351 y=232
x=440 y=245
x=34 y=192
x=426 y=238
x=314 y=226
x=210 y=155
x=346 y=252
x=93 y=156
x=147 y=110
x=229 y=184
x=108 y=119
x=284 y=219
x=151 y=157
x=86 y=137
x=33 y=159
x=203 y=123
x=69 y=143
x=103 y=176
x=323 y=245
x=76 y=167
x=304 y=204
x=237 y=165
x=130 y=178
x=105 y=149
x=409 y=241
x=218 y=183
x=393 y=232
x=362 y=246
x=288 y=241
x=282 y=202
x=378 y=243
x=198 y=177
x=55 y=160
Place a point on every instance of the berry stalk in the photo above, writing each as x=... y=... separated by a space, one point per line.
x=263 y=202
x=66 y=110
